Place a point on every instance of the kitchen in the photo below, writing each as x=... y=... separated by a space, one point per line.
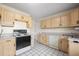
x=54 y=34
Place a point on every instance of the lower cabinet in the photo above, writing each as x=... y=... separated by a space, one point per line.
x=73 y=48
x=1 y=48
x=63 y=44
x=7 y=47
x=49 y=40
x=42 y=38
x=55 y=41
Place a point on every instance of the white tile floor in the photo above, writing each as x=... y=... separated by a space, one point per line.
x=42 y=50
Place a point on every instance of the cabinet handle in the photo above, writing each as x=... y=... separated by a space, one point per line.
x=14 y=44
x=26 y=21
x=0 y=17
x=13 y=22
x=78 y=22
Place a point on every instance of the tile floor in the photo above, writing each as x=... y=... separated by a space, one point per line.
x=42 y=50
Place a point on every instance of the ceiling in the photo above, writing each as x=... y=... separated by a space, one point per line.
x=39 y=10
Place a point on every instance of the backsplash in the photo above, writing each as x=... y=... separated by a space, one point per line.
x=18 y=25
x=59 y=30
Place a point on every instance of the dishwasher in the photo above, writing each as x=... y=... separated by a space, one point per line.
x=53 y=41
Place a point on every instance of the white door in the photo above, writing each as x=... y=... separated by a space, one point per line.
x=53 y=41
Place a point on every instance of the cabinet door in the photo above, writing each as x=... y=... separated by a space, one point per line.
x=7 y=17
x=13 y=47
x=56 y=21
x=65 y=45
x=29 y=22
x=75 y=17
x=43 y=24
x=9 y=48
x=43 y=38
x=73 y=48
x=48 y=23
x=1 y=48
x=3 y=16
x=60 y=44
x=18 y=17
x=10 y=18
x=52 y=22
x=65 y=20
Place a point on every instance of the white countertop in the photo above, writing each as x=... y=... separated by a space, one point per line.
x=8 y=36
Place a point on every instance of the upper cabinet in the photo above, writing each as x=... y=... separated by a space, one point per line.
x=66 y=19
x=48 y=23
x=20 y=17
x=6 y=17
x=75 y=17
x=23 y=18
x=56 y=21
x=42 y=24
x=29 y=22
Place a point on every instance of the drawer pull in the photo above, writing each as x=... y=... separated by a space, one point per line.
x=78 y=22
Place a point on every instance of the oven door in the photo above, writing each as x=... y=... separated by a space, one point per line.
x=22 y=42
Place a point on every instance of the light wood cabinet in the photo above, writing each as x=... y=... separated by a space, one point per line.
x=63 y=44
x=75 y=17
x=20 y=17
x=52 y=22
x=6 y=17
x=43 y=24
x=43 y=38
x=65 y=20
x=48 y=23
x=29 y=22
x=56 y=21
x=1 y=48
x=73 y=48
x=23 y=18
x=8 y=47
